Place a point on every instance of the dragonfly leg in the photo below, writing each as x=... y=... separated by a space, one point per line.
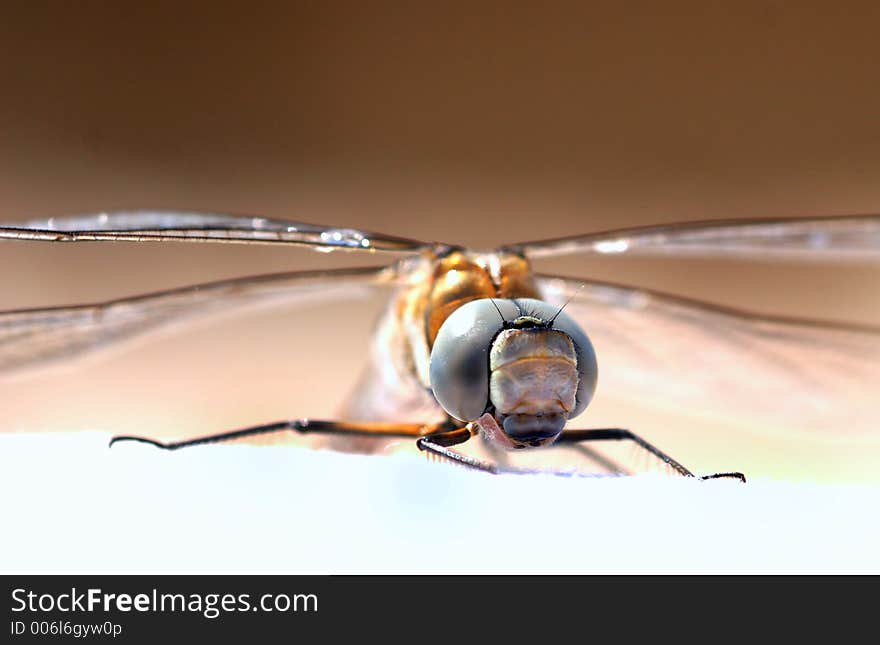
x=621 y=434
x=439 y=444
x=597 y=458
x=731 y=475
x=301 y=426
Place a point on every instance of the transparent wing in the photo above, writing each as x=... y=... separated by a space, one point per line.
x=34 y=337
x=855 y=237
x=777 y=374
x=165 y=226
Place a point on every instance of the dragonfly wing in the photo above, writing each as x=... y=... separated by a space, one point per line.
x=174 y=226
x=855 y=237
x=767 y=373
x=36 y=336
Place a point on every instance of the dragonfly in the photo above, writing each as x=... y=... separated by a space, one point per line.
x=477 y=344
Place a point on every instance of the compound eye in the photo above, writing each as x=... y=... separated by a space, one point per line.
x=459 y=368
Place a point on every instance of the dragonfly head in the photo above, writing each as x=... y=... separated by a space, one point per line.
x=523 y=362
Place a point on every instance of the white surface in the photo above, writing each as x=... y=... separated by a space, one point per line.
x=70 y=504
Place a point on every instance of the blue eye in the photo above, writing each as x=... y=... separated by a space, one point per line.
x=459 y=369
x=460 y=357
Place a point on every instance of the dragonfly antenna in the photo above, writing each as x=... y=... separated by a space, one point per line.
x=503 y=319
x=570 y=298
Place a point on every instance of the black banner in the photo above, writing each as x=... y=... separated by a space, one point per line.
x=283 y=608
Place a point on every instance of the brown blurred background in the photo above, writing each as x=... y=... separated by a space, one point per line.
x=481 y=124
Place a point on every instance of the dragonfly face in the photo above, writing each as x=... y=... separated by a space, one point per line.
x=522 y=361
